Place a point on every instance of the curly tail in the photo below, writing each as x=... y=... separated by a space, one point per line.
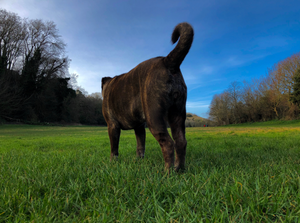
x=176 y=56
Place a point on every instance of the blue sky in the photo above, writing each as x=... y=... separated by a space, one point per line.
x=234 y=40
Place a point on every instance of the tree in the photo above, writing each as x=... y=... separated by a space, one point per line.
x=250 y=102
x=10 y=95
x=45 y=67
x=50 y=102
x=30 y=73
x=90 y=109
x=43 y=38
x=219 y=109
x=234 y=92
x=12 y=34
x=281 y=76
x=295 y=95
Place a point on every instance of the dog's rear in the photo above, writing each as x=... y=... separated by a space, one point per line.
x=153 y=92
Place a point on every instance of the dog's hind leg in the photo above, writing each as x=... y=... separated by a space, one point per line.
x=177 y=124
x=114 y=137
x=167 y=146
x=160 y=133
x=140 y=135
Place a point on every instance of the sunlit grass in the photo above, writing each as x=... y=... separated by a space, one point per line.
x=233 y=174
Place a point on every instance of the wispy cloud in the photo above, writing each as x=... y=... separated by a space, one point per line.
x=196 y=104
x=198 y=107
x=242 y=59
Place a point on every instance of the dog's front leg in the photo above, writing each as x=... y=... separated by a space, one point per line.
x=140 y=135
x=114 y=137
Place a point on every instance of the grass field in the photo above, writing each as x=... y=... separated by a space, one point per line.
x=243 y=173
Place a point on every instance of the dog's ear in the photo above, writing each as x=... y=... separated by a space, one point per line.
x=104 y=81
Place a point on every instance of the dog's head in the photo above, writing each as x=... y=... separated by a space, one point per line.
x=104 y=83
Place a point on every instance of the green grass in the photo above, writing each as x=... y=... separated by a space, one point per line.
x=234 y=174
x=269 y=123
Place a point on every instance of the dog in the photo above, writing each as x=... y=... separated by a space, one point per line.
x=152 y=93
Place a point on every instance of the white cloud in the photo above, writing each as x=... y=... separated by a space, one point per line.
x=33 y=9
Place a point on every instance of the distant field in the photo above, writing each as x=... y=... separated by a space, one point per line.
x=243 y=173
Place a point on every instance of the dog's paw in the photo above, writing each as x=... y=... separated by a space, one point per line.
x=113 y=157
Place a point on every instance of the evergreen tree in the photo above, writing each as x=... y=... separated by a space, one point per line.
x=295 y=95
x=30 y=72
x=3 y=61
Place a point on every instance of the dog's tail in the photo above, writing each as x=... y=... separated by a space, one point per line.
x=176 y=56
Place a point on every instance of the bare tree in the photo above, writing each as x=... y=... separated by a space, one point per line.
x=43 y=36
x=234 y=93
x=219 y=110
x=251 y=97
x=12 y=34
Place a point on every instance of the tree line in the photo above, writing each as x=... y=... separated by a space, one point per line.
x=273 y=96
x=35 y=84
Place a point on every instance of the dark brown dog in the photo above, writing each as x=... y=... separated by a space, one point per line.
x=153 y=92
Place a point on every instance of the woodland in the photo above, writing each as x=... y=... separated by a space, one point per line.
x=35 y=84
x=275 y=96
